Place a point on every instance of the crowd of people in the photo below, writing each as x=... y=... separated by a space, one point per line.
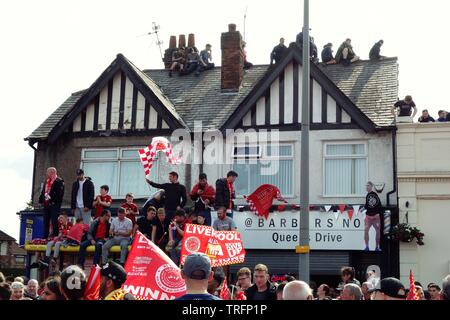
x=161 y=219
x=206 y=283
x=405 y=110
x=345 y=54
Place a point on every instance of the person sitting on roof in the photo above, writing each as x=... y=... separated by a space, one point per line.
x=278 y=52
x=327 y=54
x=192 y=61
x=426 y=117
x=374 y=53
x=313 y=53
x=442 y=116
x=178 y=60
x=204 y=58
x=345 y=53
x=247 y=65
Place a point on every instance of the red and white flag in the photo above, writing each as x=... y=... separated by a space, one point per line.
x=261 y=199
x=151 y=274
x=92 y=290
x=225 y=292
x=148 y=154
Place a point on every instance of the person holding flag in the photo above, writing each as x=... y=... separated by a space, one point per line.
x=196 y=273
x=413 y=293
x=113 y=276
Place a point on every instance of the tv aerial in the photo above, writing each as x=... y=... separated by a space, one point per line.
x=155 y=31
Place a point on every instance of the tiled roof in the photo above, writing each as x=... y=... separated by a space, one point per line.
x=372 y=86
x=200 y=98
x=46 y=127
x=5 y=237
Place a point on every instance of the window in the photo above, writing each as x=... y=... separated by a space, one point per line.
x=20 y=259
x=345 y=167
x=264 y=164
x=120 y=169
x=3 y=248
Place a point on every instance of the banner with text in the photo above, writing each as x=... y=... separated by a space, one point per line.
x=151 y=274
x=281 y=230
x=222 y=247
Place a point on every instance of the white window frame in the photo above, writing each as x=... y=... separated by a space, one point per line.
x=264 y=157
x=119 y=159
x=327 y=157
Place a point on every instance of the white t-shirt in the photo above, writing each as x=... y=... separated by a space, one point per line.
x=80 y=203
x=123 y=226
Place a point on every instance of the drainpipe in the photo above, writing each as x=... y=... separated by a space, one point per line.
x=394 y=159
x=34 y=171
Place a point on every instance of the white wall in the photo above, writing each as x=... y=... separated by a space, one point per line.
x=424 y=181
x=380 y=164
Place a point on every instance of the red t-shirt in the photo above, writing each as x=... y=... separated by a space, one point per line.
x=77 y=231
x=99 y=208
x=133 y=208
x=101 y=230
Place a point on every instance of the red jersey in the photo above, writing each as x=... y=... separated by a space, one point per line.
x=133 y=208
x=99 y=208
x=101 y=230
x=77 y=231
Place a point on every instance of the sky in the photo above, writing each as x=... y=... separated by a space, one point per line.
x=51 y=48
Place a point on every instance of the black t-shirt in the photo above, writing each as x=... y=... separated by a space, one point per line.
x=145 y=226
x=373 y=204
x=427 y=119
x=405 y=109
x=161 y=228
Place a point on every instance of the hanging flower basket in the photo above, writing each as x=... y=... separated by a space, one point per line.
x=405 y=233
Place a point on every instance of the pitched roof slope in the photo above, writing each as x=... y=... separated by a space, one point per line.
x=200 y=98
x=372 y=86
x=47 y=126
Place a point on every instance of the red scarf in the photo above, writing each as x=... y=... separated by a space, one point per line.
x=231 y=189
x=48 y=187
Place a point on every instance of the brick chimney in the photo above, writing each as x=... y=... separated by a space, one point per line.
x=232 y=59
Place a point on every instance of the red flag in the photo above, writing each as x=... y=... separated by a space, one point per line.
x=225 y=292
x=342 y=208
x=281 y=207
x=151 y=274
x=412 y=294
x=222 y=247
x=350 y=213
x=261 y=199
x=92 y=290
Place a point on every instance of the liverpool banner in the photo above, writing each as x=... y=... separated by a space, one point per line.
x=222 y=247
x=151 y=274
x=261 y=199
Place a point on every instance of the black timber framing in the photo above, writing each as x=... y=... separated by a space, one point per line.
x=134 y=107
x=119 y=64
x=294 y=54
x=123 y=81
x=96 y=112
x=324 y=106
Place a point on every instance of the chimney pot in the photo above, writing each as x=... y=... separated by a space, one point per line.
x=232 y=27
x=173 y=42
x=182 y=41
x=191 y=40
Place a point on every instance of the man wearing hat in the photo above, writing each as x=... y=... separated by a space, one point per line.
x=389 y=289
x=327 y=54
x=196 y=273
x=83 y=194
x=113 y=276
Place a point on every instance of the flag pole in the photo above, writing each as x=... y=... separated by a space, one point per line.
x=303 y=248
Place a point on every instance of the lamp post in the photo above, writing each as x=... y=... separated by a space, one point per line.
x=303 y=248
